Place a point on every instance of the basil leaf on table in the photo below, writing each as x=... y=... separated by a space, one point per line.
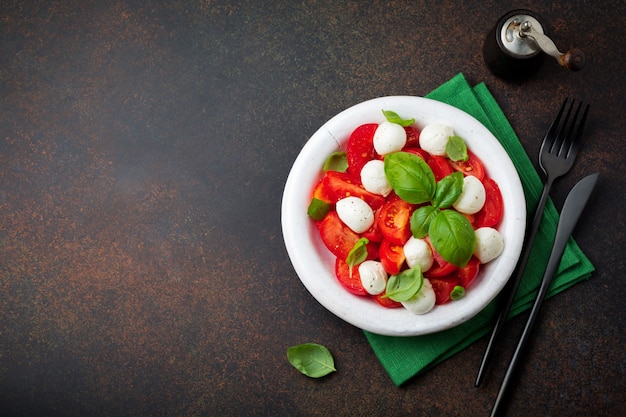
x=448 y=190
x=311 y=359
x=420 y=220
x=410 y=177
x=452 y=235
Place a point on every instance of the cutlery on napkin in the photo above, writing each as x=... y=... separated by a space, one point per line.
x=405 y=357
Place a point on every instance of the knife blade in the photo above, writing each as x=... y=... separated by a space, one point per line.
x=573 y=207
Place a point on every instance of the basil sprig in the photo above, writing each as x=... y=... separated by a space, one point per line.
x=311 y=359
x=336 y=161
x=451 y=234
x=410 y=177
x=406 y=284
x=358 y=253
x=393 y=117
x=456 y=149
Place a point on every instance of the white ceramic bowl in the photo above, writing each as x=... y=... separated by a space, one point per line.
x=314 y=264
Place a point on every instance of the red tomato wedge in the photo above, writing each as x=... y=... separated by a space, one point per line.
x=394 y=221
x=412 y=136
x=360 y=148
x=443 y=287
x=338 y=185
x=440 y=267
x=350 y=281
x=440 y=166
x=419 y=152
x=386 y=302
x=391 y=256
x=340 y=239
x=493 y=210
x=469 y=272
x=472 y=166
x=320 y=193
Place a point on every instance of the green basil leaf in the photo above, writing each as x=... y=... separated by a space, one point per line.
x=311 y=359
x=457 y=292
x=318 y=209
x=358 y=253
x=452 y=235
x=336 y=161
x=405 y=285
x=448 y=190
x=420 y=220
x=456 y=149
x=393 y=117
x=410 y=177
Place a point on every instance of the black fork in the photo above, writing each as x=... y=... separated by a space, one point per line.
x=556 y=157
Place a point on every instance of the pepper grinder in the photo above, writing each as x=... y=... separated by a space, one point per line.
x=517 y=44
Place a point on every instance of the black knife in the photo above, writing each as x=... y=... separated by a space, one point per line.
x=572 y=209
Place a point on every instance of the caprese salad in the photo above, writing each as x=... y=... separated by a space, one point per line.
x=410 y=215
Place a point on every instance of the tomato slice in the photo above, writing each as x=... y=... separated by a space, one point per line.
x=440 y=166
x=417 y=151
x=441 y=267
x=373 y=234
x=350 y=281
x=394 y=221
x=473 y=166
x=386 y=302
x=320 y=193
x=443 y=287
x=360 y=148
x=338 y=185
x=338 y=238
x=493 y=209
x=469 y=272
x=412 y=136
x=391 y=256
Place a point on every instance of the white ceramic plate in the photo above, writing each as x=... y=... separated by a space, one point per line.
x=314 y=264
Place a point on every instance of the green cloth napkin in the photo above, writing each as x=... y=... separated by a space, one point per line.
x=405 y=357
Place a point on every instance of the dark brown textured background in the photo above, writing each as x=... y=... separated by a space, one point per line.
x=143 y=151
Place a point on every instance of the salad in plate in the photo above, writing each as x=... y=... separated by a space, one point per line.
x=409 y=215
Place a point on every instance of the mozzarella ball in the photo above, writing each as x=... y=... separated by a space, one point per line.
x=434 y=138
x=389 y=137
x=423 y=301
x=472 y=197
x=355 y=213
x=489 y=244
x=374 y=179
x=373 y=277
x=418 y=253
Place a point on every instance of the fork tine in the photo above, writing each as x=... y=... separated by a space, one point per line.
x=575 y=142
x=561 y=138
x=551 y=135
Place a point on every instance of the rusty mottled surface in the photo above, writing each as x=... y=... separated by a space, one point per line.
x=143 y=151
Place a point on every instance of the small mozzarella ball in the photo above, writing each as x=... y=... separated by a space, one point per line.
x=417 y=252
x=472 y=197
x=389 y=137
x=489 y=244
x=355 y=213
x=374 y=179
x=423 y=301
x=373 y=277
x=434 y=138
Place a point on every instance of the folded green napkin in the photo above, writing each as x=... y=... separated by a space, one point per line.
x=405 y=357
